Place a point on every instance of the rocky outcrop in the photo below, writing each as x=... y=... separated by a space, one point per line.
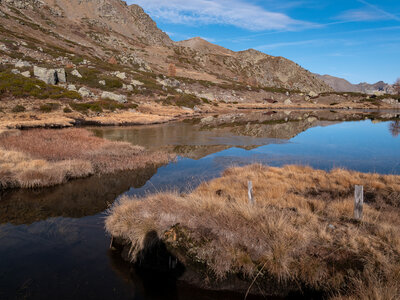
x=114 y=97
x=130 y=21
x=50 y=76
x=24 y=4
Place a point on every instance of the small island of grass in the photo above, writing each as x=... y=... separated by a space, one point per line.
x=298 y=236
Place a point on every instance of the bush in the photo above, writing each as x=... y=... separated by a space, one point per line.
x=18 y=109
x=182 y=100
x=67 y=110
x=99 y=106
x=49 y=107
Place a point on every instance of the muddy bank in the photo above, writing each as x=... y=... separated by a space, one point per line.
x=299 y=235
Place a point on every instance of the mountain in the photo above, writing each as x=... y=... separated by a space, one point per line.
x=342 y=85
x=51 y=31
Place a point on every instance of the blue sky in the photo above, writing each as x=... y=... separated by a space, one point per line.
x=355 y=39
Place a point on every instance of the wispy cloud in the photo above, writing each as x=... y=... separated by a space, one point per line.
x=369 y=12
x=295 y=43
x=238 y=13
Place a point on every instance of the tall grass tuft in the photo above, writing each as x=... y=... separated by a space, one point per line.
x=299 y=234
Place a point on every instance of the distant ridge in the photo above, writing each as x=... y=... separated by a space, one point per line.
x=342 y=85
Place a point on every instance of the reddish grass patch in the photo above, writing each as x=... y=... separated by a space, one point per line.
x=57 y=147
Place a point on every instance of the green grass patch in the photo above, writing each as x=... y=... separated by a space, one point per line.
x=18 y=109
x=49 y=107
x=91 y=78
x=67 y=110
x=18 y=86
x=185 y=100
x=100 y=106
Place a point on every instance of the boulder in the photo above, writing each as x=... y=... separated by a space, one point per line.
x=76 y=73
x=287 y=102
x=22 y=64
x=128 y=87
x=390 y=101
x=50 y=76
x=207 y=119
x=102 y=82
x=120 y=75
x=84 y=92
x=170 y=82
x=312 y=94
x=26 y=74
x=61 y=75
x=136 y=83
x=71 y=87
x=114 y=97
x=15 y=71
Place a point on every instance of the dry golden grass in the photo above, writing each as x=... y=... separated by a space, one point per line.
x=299 y=234
x=42 y=157
x=131 y=118
x=20 y=170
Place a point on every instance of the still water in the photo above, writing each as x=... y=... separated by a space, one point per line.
x=52 y=241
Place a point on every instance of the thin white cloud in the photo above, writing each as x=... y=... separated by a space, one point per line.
x=238 y=13
x=361 y=15
x=377 y=9
x=369 y=12
x=293 y=44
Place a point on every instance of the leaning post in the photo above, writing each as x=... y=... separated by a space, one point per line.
x=358 y=202
x=250 y=192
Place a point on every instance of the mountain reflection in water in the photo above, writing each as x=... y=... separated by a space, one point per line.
x=52 y=241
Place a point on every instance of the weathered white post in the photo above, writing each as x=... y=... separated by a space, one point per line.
x=250 y=192
x=358 y=202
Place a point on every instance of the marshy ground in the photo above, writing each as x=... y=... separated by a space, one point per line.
x=40 y=158
x=299 y=235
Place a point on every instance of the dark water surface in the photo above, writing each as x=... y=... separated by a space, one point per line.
x=52 y=241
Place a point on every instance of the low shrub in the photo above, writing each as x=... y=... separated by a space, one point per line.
x=99 y=106
x=18 y=109
x=49 y=107
x=186 y=100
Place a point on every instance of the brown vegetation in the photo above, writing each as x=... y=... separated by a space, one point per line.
x=300 y=233
x=48 y=157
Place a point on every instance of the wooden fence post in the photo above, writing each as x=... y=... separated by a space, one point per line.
x=250 y=192
x=358 y=202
